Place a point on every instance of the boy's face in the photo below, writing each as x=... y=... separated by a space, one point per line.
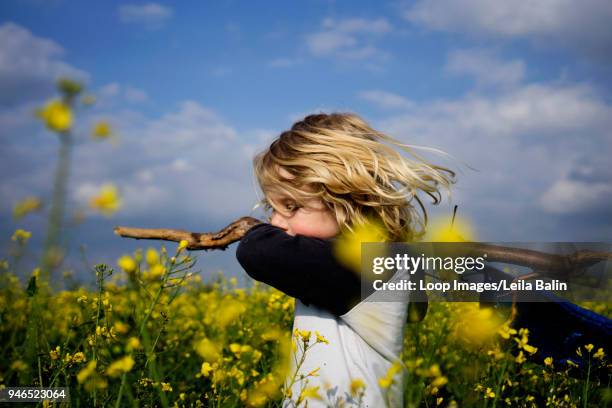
x=316 y=221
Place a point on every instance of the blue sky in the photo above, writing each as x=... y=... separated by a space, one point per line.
x=519 y=91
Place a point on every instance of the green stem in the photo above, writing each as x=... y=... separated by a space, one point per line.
x=100 y=279
x=585 y=392
x=58 y=204
x=118 y=402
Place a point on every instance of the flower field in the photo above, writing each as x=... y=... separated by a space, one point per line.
x=150 y=333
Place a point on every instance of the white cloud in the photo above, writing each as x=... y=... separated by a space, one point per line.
x=188 y=160
x=486 y=67
x=30 y=66
x=386 y=100
x=567 y=196
x=151 y=15
x=348 y=38
x=531 y=110
x=584 y=26
x=530 y=145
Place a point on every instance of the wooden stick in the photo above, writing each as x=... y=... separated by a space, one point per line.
x=196 y=240
x=542 y=262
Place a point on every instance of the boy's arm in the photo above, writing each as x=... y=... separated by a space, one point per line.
x=300 y=266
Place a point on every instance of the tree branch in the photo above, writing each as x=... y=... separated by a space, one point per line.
x=196 y=240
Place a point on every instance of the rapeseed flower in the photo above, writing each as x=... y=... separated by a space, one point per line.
x=26 y=206
x=127 y=263
x=86 y=372
x=107 y=201
x=118 y=367
x=101 y=130
x=21 y=236
x=56 y=115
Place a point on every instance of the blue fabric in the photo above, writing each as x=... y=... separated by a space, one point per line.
x=558 y=327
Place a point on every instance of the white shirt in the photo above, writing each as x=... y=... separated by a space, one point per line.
x=363 y=344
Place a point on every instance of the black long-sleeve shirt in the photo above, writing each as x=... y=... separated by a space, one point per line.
x=302 y=267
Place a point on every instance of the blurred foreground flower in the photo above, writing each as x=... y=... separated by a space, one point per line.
x=474 y=325
x=127 y=263
x=107 y=201
x=56 y=115
x=347 y=247
x=456 y=230
x=26 y=206
x=118 y=367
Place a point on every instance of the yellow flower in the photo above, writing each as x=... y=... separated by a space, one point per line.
x=121 y=327
x=548 y=361
x=127 y=263
x=439 y=381
x=107 y=201
x=520 y=359
x=132 y=344
x=599 y=354
x=305 y=335
x=505 y=331
x=86 y=372
x=443 y=230
x=79 y=357
x=385 y=382
x=530 y=349
x=19 y=365
x=206 y=369
x=235 y=348
x=166 y=387
x=320 y=338
x=26 y=206
x=309 y=392
x=208 y=350
x=101 y=130
x=229 y=310
x=21 y=236
x=489 y=393
x=152 y=257
x=589 y=347
x=56 y=115
x=347 y=247
x=522 y=342
x=54 y=354
x=357 y=385
x=475 y=325
x=183 y=244
x=439 y=400
x=118 y=367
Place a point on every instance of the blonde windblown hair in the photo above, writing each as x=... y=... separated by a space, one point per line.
x=341 y=160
